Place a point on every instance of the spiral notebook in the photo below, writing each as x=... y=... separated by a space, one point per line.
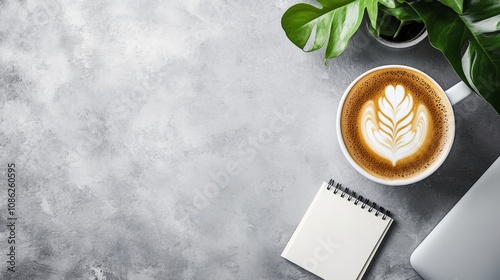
x=339 y=234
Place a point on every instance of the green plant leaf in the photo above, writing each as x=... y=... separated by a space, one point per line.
x=388 y=27
x=372 y=10
x=402 y=11
x=456 y=5
x=477 y=32
x=391 y=20
x=334 y=23
x=388 y=3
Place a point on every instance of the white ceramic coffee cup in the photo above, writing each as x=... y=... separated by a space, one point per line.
x=454 y=95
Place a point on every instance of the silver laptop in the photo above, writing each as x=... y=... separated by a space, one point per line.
x=465 y=245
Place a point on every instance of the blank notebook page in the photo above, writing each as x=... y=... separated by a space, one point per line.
x=336 y=238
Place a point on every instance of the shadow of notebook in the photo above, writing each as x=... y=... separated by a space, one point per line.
x=466 y=243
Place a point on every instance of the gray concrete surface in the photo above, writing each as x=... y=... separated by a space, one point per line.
x=185 y=140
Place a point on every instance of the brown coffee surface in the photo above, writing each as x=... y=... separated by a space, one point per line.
x=436 y=140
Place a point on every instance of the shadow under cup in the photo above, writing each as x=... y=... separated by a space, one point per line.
x=395 y=125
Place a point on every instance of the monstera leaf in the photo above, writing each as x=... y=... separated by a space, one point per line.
x=391 y=20
x=470 y=41
x=456 y=5
x=310 y=27
x=334 y=23
x=466 y=31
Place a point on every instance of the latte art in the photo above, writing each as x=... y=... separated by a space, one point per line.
x=396 y=128
x=396 y=124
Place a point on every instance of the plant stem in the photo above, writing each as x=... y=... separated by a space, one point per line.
x=399 y=29
x=382 y=21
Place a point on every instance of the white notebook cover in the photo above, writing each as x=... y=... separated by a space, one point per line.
x=336 y=239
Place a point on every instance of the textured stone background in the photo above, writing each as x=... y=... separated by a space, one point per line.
x=185 y=139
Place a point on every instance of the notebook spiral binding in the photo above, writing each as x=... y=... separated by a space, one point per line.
x=350 y=195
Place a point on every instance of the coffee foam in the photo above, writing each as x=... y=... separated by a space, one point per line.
x=394 y=127
x=429 y=103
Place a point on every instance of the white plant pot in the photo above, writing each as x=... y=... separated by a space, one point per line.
x=399 y=45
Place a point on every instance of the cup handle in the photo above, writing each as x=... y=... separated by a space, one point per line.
x=458 y=92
